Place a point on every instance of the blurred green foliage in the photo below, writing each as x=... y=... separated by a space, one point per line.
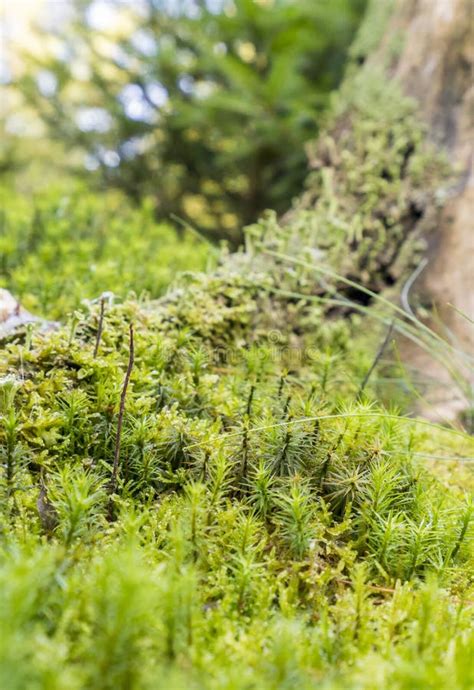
x=203 y=106
x=69 y=245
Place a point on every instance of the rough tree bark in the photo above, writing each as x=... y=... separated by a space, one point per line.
x=435 y=66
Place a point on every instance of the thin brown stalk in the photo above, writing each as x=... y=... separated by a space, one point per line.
x=377 y=358
x=100 y=327
x=118 y=438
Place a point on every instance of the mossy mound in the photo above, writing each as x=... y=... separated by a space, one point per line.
x=241 y=513
x=263 y=532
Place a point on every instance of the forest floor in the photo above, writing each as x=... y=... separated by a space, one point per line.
x=221 y=488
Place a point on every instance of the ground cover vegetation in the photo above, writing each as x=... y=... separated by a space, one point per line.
x=68 y=244
x=206 y=490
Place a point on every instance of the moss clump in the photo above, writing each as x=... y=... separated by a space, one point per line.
x=204 y=397
x=373 y=194
x=270 y=526
x=264 y=532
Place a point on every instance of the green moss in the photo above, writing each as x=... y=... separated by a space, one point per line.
x=270 y=526
x=373 y=194
x=262 y=526
x=73 y=245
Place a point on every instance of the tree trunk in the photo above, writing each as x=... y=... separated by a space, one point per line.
x=435 y=67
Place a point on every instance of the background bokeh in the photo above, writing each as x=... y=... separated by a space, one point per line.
x=130 y=128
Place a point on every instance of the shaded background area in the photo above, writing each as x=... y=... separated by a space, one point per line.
x=202 y=107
